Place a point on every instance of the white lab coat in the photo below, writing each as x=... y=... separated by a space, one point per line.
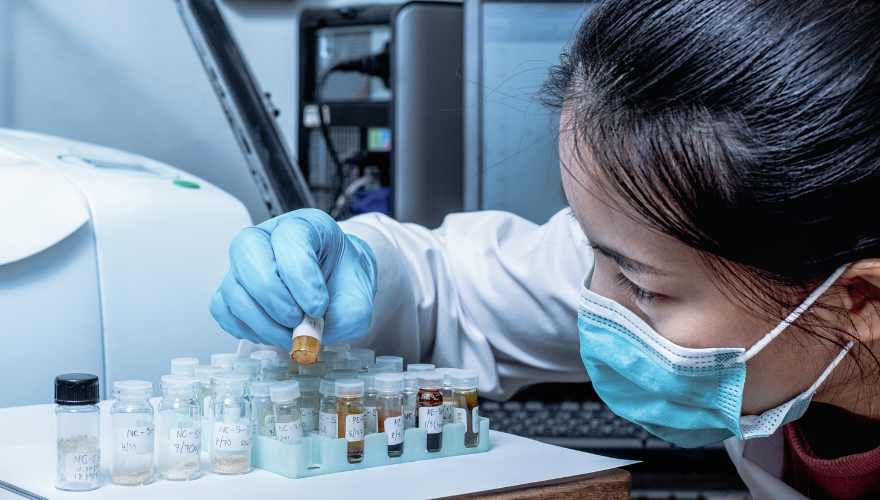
x=494 y=292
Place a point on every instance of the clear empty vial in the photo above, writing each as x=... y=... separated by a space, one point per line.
x=395 y=361
x=465 y=407
x=419 y=367
x=318 y=368
x=133 y=436
x=276 y=373
x=206 y=390
x=308 y=401
x=284 y=360
x=327 y=424
x=410 y=395
x=446 y=391
x=389 y=406
x=184 y=366
x=262 y=411
x=343 y=373
x=250 y=367
x=430 y=414
x=230 y=424
x=224 y=361
x=288 y=416
x=265 y=357
x=370 y=414
x=179 y=428
x=77 y=427
x=366 y=356
x=350 y=415
x=381 y=368
x=348 y=364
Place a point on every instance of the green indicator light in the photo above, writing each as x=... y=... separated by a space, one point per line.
x=187 y=184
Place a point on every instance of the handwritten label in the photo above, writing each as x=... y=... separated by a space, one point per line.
x=310 y=419
x=459 y=416
x=289 y=430
x=354 y=427
x=328 y=425
x=409 y=418
x=83 y=466
x=447 y=410
x=186 y=440
x=394 y=429
x=269 y=426
x=475 y=413
x=431 y=419
x=232 y=437
x=135 y=440
x=371 y=419
x=256 y=424
x=310 y=327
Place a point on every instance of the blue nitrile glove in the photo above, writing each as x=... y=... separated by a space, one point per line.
x=299 y=261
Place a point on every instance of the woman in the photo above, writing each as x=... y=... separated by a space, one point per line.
x=722 y=158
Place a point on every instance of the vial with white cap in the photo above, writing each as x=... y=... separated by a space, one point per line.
x=465 y=407
x=348 y=364
x=389 y=407
x=340 y=347
x=430 y=414
x=230 y=424
x=284 y=360
x=410 y=395
x=78 y=421
x=184 y=366
x=206 y=390
x=133 y=437
x=395 y=361
x=420 y=367
x=370 y=413
x=276 y=373
x=179 y=428
x=318 y=368
x=350 y=415
x=265 y=357
x=338 y=374
x=262 y=409
x=329 y=358
x=366 y=356
x=446 y=391
x=327 y=424
x=250 y=367
x=224 y=361
x=381 y=368
x=308 y=401
x=288 y=417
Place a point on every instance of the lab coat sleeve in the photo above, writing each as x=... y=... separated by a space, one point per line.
x=488 y=291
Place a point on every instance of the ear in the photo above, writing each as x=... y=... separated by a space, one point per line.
x=862 y=298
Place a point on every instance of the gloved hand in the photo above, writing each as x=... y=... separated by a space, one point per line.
x=297 y=262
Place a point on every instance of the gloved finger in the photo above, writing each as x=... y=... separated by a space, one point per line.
x=254 y=267
x=296 y=244
x=348 y=316
x=228 y=321
x=245 y=308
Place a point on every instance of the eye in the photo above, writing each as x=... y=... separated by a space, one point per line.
x=636 y=292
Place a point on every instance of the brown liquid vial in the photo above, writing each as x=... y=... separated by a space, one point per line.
x=433 y=401
x=394 y=450
x=467 y=400
x=354 y=406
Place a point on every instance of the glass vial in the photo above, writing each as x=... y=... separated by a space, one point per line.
x=395 y=361
x=389 y=406
x=284 y=360
x=77 y=426
x=366 y=356
x=224 y=361
x=381 y=368
x=288 y=416
x=446 y=392
x=306 y=343
x=430 y=414
x=132 y=439
x=327 y=424
x=264 y=356
x=308 y=401
x=370 y=416
x=230 y=424
x=250 y=367
x=465 y=407
x=419 y=367
x=206 y=390
x=179 y=429
x=262 y=409
x=184 y=366
x=410 y=395
x=319 y=368
x=350 y=415
x=276 y=373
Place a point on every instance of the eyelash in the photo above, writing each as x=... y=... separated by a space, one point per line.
x=636 y=292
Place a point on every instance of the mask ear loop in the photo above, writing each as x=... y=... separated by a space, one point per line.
x=742 y=358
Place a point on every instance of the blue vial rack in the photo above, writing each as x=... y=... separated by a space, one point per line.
x=315 y=455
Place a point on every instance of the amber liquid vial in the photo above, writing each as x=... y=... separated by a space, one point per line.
x=306 y=344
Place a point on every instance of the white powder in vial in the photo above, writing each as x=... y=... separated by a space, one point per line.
x=233 y=464
x=188 y=469
x=79 y=445
x=128 y=478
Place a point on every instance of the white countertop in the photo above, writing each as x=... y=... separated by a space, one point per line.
x=27 y=460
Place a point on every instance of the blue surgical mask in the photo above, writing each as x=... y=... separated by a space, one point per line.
x=689 y=397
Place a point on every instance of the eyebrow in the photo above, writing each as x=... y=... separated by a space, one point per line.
x=625 y=262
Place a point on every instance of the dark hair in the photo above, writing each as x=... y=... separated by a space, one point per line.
x=747 y=129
